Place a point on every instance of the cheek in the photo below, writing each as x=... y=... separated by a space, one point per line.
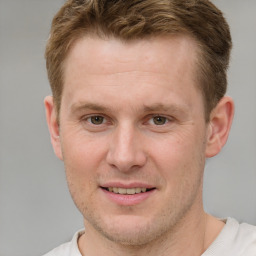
x=83 y=157
x=179 y=157
x=181 y=165
x=81 y=149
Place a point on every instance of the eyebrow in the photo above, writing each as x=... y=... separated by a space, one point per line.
x=88 y=106
x=162 y=107
x=175 y=108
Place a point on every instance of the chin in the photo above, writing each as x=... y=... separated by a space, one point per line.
x=130 y=236
x=130 y=230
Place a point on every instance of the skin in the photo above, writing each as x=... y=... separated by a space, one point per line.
x=150 y=129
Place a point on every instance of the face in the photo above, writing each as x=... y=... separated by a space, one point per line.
x=132 y=135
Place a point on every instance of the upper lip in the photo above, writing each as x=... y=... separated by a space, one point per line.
x=126 y=185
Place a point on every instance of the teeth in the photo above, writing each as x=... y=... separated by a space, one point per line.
x=131 y=191
x=138 y=190
x=128 y=191
x=122 y=191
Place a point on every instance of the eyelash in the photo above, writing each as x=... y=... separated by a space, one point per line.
x=87 y=118
x=149 y=120
x=166 y=120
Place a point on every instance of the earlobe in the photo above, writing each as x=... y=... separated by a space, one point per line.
x=53 y=125
x=219 y=126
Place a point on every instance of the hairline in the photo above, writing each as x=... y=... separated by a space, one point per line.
x=101 y=35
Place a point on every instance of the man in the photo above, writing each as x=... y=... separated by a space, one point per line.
x=138 y=105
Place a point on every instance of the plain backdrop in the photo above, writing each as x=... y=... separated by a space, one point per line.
x=36 y=211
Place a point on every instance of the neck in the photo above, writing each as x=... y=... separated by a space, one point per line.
x=186 y=238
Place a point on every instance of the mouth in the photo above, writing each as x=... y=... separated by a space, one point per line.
x=128 y=194
x=127 y=191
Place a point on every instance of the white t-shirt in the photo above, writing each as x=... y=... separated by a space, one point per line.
x=234 y=240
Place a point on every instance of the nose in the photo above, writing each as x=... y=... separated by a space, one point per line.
x=125 y=150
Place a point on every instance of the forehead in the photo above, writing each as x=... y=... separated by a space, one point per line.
x=148 y=70
x=110 y=55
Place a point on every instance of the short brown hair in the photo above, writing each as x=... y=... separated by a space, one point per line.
x=137 y=19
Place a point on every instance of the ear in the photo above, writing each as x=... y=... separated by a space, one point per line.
x=219 y=126
x=53 y=125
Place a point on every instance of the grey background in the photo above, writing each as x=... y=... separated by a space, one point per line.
x=36 y=211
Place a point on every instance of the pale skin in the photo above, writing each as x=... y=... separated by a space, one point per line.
x=132 y=116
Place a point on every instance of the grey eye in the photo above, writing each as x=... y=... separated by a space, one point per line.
x=97 y=120
x=159 y=120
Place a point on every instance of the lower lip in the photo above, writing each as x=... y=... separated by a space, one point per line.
x=128 y=200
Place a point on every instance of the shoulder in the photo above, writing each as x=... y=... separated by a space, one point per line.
x=62 y=250
x=246 y=236
x=67 y=249
x=234 y=240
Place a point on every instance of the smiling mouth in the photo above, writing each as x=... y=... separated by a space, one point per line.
x=127 y=191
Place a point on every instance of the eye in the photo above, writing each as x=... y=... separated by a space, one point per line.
x=96 y=120
x=158 y=120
